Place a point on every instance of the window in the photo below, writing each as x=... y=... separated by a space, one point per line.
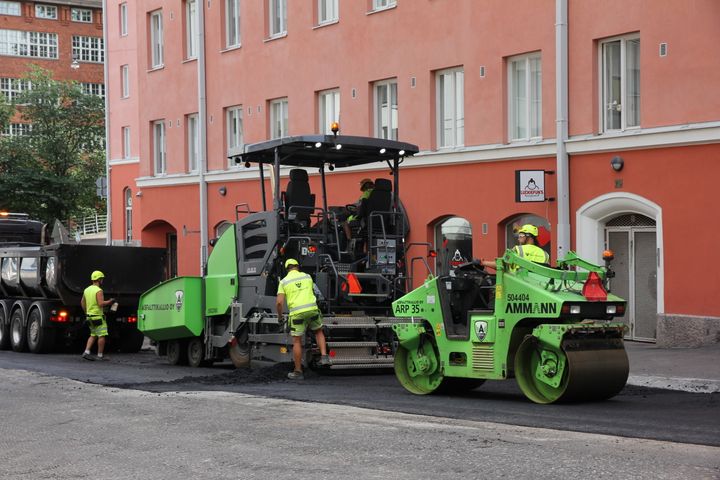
x=620 y=102
x=193 y=136
x=125 y=80
x=126 y=142
x=17 y=129
x=123 y=19
x=386 y=109
x=156 y=39
x=159 y=147
x=191 y=26
x=525 y=97
x=327 y=11
x=97 y=89
x=28 y=44
x=83 y=15
x=232 y=23
x=278 y=17
x=128 y=215
x=11 y=88
x=382 y=4
x=9 y=8
x=88 y=49
x=450 y=108
x=233 y=119
x=328 y=110
x=46 y=11
x=279 y=118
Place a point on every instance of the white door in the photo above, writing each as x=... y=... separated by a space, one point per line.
x=632 y=238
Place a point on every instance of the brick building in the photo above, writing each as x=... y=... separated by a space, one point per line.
x=617 y=114
x=64 y=36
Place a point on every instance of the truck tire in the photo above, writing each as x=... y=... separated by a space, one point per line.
x=196 y=353
x=40 y=339
x=18 y=333
x=177 y=352
x=4 y=331
x=131 y=340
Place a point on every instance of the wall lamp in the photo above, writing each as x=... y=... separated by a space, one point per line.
x=617 y=163
x=222 y=190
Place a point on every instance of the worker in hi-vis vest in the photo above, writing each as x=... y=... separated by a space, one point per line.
x=526 y=248
x=298 y=289
x=92 y=303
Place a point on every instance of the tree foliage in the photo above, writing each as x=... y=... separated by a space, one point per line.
x=50 y=173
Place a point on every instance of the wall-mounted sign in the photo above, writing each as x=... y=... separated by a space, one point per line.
x=529 y=185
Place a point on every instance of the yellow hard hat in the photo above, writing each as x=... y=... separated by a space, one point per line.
x=365 y=181
x=97 y=275
x=529 y=229
x=290 y=261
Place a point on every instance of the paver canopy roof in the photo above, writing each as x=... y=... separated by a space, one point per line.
x=316 y=150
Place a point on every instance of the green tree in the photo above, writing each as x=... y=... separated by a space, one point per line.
x=50 y=173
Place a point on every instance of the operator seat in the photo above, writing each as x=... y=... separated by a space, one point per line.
x=297 y=195
x=379 y=200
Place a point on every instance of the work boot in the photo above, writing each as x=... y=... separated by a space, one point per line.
x=324 y=360
x=295 y=375
x=102 y=359
x=88 y=356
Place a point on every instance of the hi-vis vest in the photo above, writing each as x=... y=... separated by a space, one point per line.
x=298 y=289
x=532 y=253
x=91 y=304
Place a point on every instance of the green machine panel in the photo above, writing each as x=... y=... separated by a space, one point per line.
x=172 y=309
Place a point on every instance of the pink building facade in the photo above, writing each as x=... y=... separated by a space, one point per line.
x=476 y=86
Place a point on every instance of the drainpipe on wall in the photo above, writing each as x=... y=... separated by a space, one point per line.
x=561 y=113
x=108 y=210
x=202 y=150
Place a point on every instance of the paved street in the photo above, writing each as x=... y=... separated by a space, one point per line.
x=59 y=428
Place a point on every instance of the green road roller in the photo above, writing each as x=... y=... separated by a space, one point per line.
x=552 y=329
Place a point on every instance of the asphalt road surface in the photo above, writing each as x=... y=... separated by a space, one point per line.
x=638 y=412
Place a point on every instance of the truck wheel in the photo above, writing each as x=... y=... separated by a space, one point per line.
x=239 y=351
x=176 y=352
x=18 y=334
x=39 y=339
x=4 y=331
x=131 y=341
x=196 y=353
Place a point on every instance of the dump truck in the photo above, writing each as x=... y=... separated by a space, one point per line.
x=551 y=329
x=41 y=287
x=229 y=311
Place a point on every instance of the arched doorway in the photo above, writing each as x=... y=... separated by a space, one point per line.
x=161 y=234
x=513 y=224
x=631 y=226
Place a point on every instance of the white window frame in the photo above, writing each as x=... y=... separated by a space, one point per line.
x=81 y=15
x=605 y=104
x=47 y=12
x=19 y=43
x=125 y=81
x=232 y=23
x=128 y=214
x=234 y=122
x=279 y=118
x=159 y=148
x=11 y=88
x=123 y=19
x=191 y=25
x=17 y=129
x=156 y=39
x=383 y=4
x=10 y=8
x=327 y=11
x=277 y=15
x=328 y=110
x=451 y=126
x=126 y=145
x=529 y=106
x=386 y=115
x=193 y=142
x=88 y=49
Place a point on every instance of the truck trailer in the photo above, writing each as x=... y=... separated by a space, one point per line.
x=41 y=287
